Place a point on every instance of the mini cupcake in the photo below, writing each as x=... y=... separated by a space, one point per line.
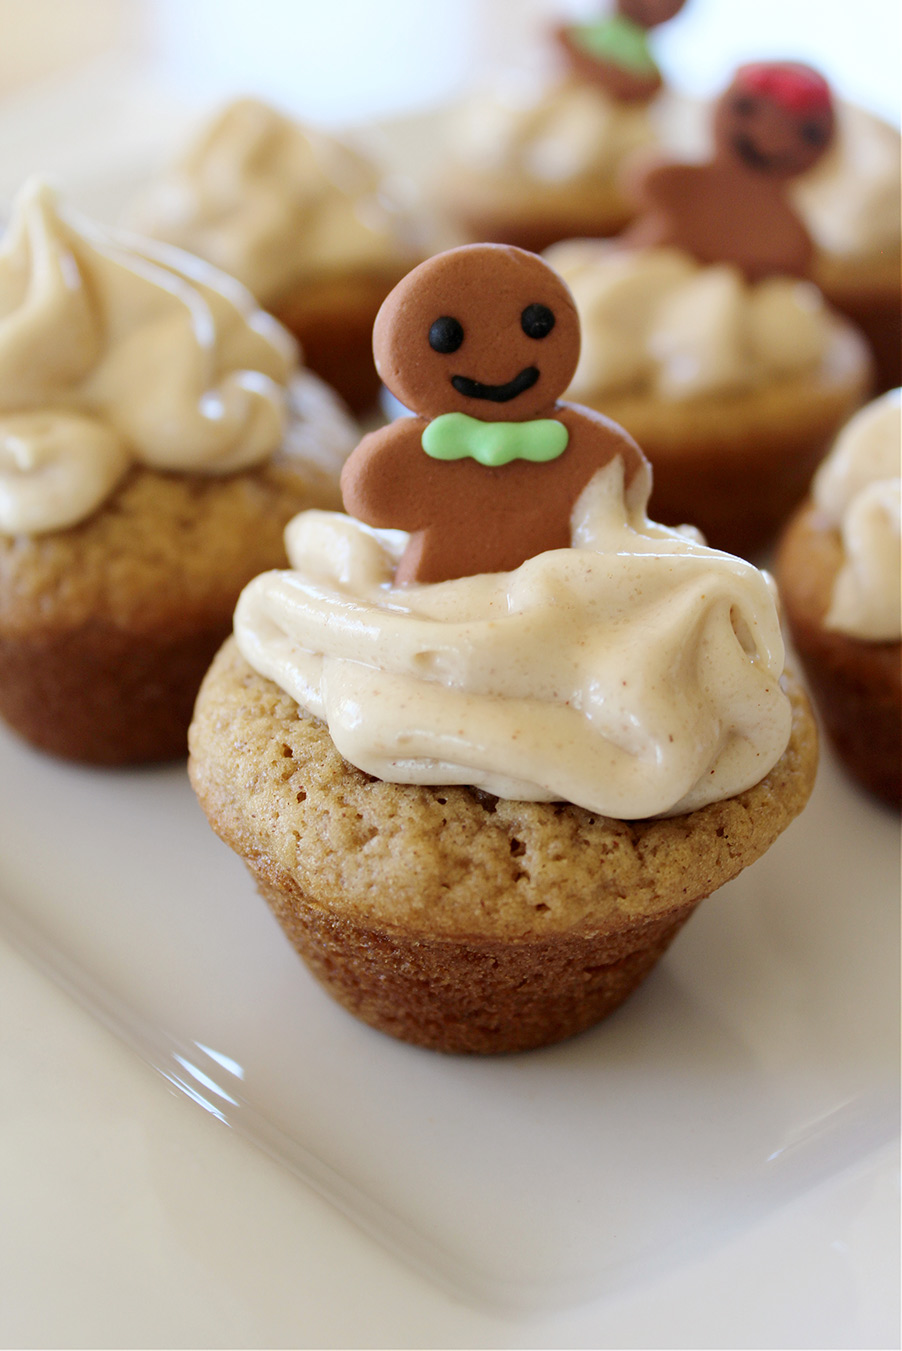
x=539 y=155
x=156 y=433
x=839 y=575
x=850 y=203
x=305 y=222
x=484 y=765
x=702 y=334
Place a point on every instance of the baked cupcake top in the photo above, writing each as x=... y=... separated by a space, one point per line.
x=635 y=673
x=275 y=204
x=657 y=320
x=117 y=351
x=858 y=491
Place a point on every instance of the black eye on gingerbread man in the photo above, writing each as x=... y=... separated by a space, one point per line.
x=445 y=334
x=479 y=342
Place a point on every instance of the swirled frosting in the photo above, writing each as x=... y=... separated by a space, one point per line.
x=114 y=351
x=655 y=319
x=274 y=204
x=532 y=131
x=635 y=674
x=859 y=490
x=850 y=201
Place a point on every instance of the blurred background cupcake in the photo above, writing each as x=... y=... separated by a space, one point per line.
x=307 y=223
x=703 y=333
x=156 y=434
x=537 y=154
x=839 y=575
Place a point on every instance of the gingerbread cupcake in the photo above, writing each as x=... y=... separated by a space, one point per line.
x=156 y=433
x=850 y=203
x=539 y=155
x=839 y=574
x=311 y=226
x=703 y=333
x=495 y=734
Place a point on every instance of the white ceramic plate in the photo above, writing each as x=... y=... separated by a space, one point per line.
x=760 y=1059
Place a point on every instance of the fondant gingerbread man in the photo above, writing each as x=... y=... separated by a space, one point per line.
x=774 y=122
x=613 y=51
x=480 y=341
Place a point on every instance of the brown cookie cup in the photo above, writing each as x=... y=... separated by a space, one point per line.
x=532 y=219
x=736 y=465
x=856 y=685
x=447 y=917
x=107 y=628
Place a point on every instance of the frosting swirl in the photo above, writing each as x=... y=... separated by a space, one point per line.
x=274 y=204
x=859 y=490
x=656 y=319
x=850 y=201
x=635 y=674
x=548 y=133
x=114 y=350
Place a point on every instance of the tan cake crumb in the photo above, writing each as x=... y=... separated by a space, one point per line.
x=446 y=916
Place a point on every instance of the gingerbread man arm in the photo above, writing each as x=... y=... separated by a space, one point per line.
x=388 y=481
x=658 y=187
x=596 y=440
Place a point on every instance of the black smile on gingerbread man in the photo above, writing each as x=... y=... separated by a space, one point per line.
x=480 y=342
x=774 y=122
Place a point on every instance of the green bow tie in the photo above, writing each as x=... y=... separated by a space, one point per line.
x=618 y=40
x=456 y=436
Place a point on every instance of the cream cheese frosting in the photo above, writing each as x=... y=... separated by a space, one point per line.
x=850 y=200
x=859 y=490
x=547 y=133
x=115 y=350
x=275 y=204
x=635 y=674
x=655 y=319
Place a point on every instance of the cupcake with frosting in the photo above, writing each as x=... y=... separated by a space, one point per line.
x=494 y=734
x=703 y=331
x=539 y=154
x=851 y=205
x=307 y=223
x=156 y=433
x=839 y=575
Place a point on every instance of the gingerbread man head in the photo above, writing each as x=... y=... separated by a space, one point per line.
x=649 y=13
x=776 y=118
x=486 y=329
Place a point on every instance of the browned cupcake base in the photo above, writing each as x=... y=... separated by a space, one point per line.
x=870 y=294
x=736 y=466
x=449 y=918
x=106 y=696
x=538 y=231
x=107 y=628
x=467 y=995
x=857 y=686
x=333 y=321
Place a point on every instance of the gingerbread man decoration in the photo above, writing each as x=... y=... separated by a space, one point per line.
x=480 y=341
x=613 y=51
x=774 y=122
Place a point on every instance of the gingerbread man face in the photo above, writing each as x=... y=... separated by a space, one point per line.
x=487 y=329
x=649 y=13
x=776 y=119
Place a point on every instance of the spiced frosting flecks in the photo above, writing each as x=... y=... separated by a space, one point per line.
x=115 y=350
x=655 y=319
x=859 y=490
x=635 y=674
